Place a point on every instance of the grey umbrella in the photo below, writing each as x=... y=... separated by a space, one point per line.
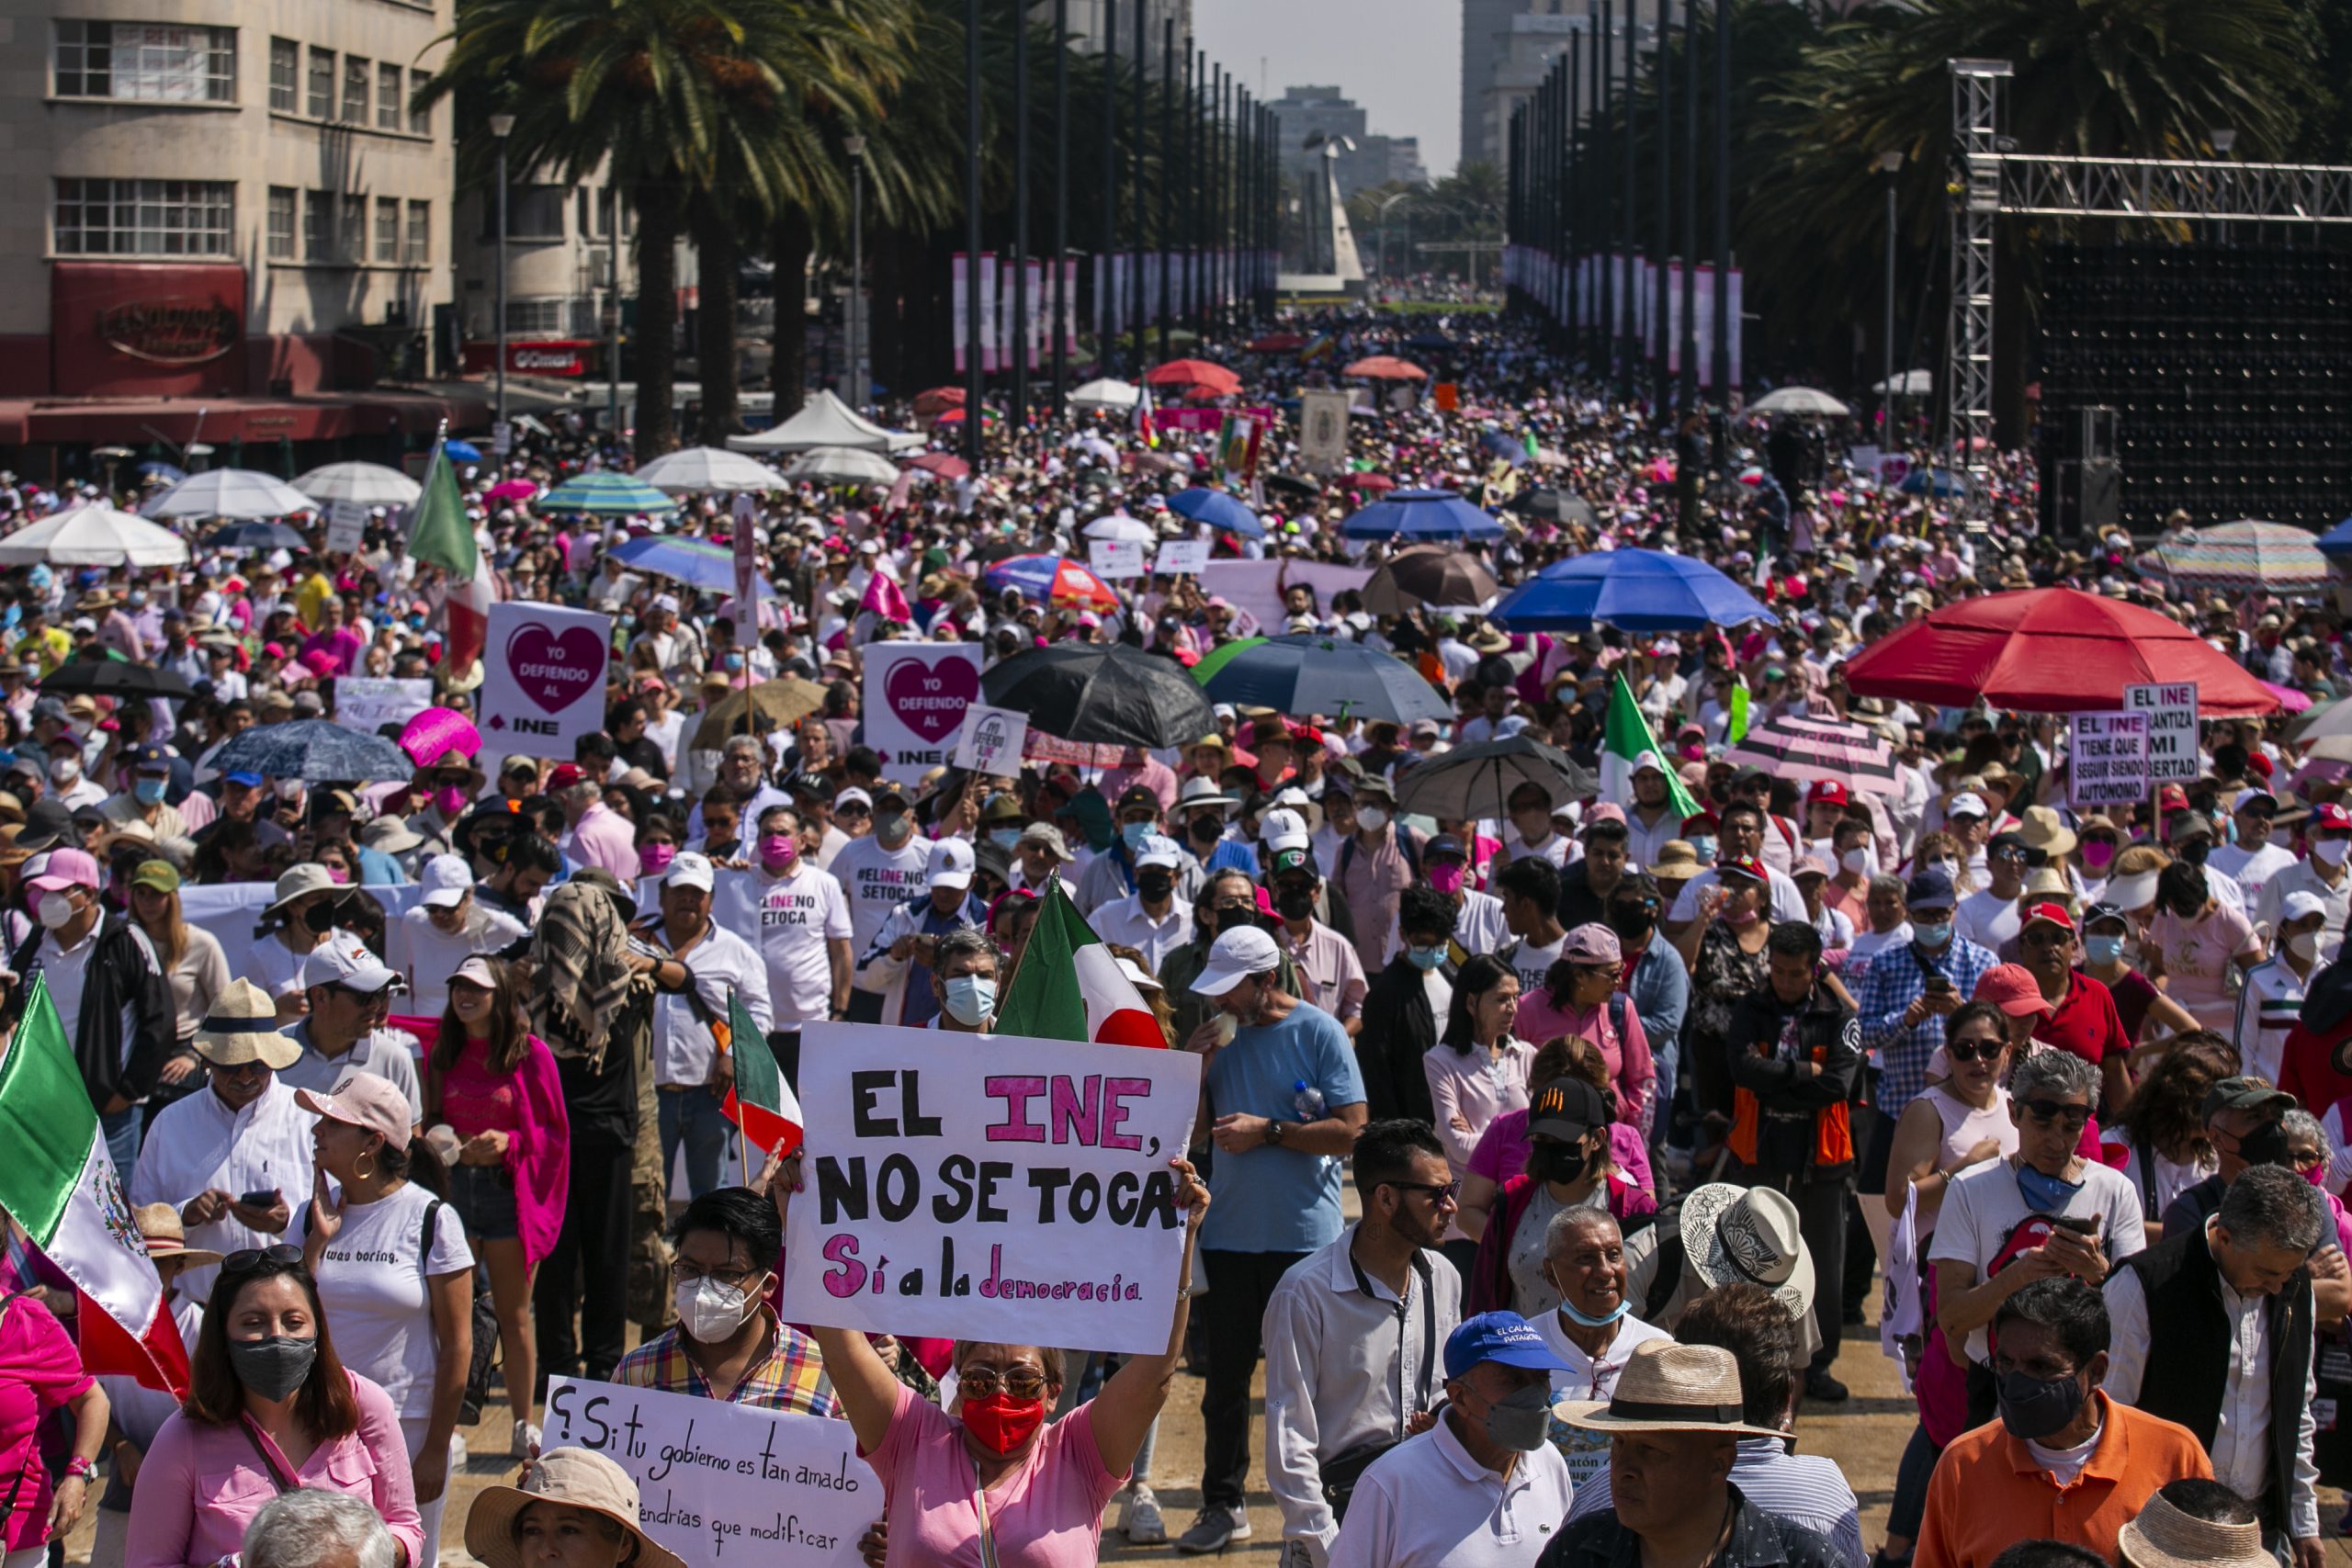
x=314 y=750
x=1473 y=782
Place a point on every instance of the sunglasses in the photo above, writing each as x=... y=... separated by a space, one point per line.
x=248 y=1260
x=1974 y=1050
x=1442 y=1191
x=2048 y=936
x=2047 y=1112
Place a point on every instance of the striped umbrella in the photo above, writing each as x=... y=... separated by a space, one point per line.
x=1052 y=580
x=2275 y=556
x=605 y=495
x=1811 y=750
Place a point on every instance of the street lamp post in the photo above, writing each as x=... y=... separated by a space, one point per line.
x=857 y=146
x=502 y=125
x=1890 y=164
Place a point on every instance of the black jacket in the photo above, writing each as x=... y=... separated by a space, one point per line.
x=1399 y=1026
x=124 y=975
x=1787 y=1102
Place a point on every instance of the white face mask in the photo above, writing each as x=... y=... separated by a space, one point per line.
x=1371 y=818
x=1856 y=859
x=56 y=909
x=2330 y=852
x=709 y=1311
x=2305 y=945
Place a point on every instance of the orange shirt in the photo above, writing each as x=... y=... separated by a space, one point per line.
x=1987 y=1493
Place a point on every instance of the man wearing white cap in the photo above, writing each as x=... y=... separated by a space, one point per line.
x=2272 y=997
x=2251 y=859
x=896 y=963
x=691 y=1074
x=447 y=926
x=350 y=991
x=677 y=650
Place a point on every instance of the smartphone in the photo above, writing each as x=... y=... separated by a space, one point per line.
x=2081 y=1224
x=260 y=1199
x=1938 y=984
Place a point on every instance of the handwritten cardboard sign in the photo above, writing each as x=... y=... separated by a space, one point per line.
x=2171 y=707
x=2107 y=764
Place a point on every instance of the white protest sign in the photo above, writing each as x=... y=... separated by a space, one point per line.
x=915 y=696
x=346 y=527
x=2171 y=707
x=992 y=740
x=1323 y=430
x=2107 y=763
x=1115 y=559
x=725 y=1485
x=1181 y=556
x=369 y=702
x=502 y=437
x=1008 y=1189
x=543 y=685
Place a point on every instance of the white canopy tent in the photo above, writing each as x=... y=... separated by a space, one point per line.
x=93 y=535
x=825 y=421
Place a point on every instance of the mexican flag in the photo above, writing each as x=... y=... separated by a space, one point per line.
x=1070 y=987
x=1627 y=745
x=760 y=1102
x=60 y=1184
x=441 y=535
x=1144 y=425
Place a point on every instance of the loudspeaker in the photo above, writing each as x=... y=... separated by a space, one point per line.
x=2095 y=432
x=2099 y=502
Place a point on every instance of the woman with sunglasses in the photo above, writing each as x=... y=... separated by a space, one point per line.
x=271 y=1409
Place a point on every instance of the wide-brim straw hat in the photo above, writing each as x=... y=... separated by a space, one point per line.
x=1734 y=1234
x=1665 y=1387
x=574 y=1478
x=242 y=1027
x=2163 y=1537
x=166 y=1237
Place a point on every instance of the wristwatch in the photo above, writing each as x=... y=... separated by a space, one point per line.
x=87 y=1469
x=1274 y=1131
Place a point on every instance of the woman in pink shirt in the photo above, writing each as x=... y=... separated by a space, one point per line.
x=41 y=1370
x=996 y=1483
x=1579 y=996
x=271 y=1410
x=1476 y=1071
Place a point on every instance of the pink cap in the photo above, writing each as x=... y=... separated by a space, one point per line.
x=363 y=1100
x=1593 y=944
x=1605 y=811
x=67 y=868
x=2013 y=989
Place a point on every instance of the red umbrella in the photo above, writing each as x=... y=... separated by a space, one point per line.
x=938 y=400
x=2050 y=650
x=1368 y=482
x=1277 y=343
x=1195 y=373
x=946 y=465
x=1387 y=368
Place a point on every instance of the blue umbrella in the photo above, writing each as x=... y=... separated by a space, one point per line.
x=696 y=563
x=462 y=451
x=1495 y=443
x=1634 y=591
x=316 y=750
x=605 y=495
x=155 y=469
x=1219 y=510
x=2337 y=541
x=1422 y=515
x=1932 y=481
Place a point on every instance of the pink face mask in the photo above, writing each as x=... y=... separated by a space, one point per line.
x=2317 y=1171
x=450 y=799
x=654 y=859
x=1447 y=878
x=2097 y=854
x=778 y=849
x=338 y=873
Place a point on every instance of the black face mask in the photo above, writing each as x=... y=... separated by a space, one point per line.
x=1566 y=1162
x=2266 y=1145
x=319 y=916
x=1223 y=921
x=2033 y=1408
x=1294 y=903
x=1632 y=922
x=1155 y=885
x=1206 y=828
x=2196 y=849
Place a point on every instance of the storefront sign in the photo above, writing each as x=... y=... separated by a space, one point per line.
x=550 y=357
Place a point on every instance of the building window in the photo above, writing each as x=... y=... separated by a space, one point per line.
x=351 y=228
x=537 y=318
x=387 y=98
x=285 y=74
x=387 y=230
x=419 y=233
x=322 y=83
x=149 y=61
x=533 y=213
x=144 y=218
x=355 y=77
x=281 y=224
x=605 y=213
x=420 y=121
x=318 y=225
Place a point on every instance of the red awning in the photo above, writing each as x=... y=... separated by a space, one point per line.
x=324 y=416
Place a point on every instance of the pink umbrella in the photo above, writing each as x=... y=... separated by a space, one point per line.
x=436 y=732
x=2289 y=698
x=513 y=490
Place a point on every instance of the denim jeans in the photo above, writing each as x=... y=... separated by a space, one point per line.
x=121 y=1129
x=692 y=1116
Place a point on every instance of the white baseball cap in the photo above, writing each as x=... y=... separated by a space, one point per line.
x=1281 y=824
x=951 y=864
x=690 y=870
x=1233 y=957
x=1159 y=850
x=447 y=879
x=2297 y=904
x=853 y=795
x=344 y=960
x=1967 y=802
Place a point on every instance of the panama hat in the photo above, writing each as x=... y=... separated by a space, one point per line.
x=2165 y=1537
x=242 y=1027
x=1665 y=1387
x=574 y=1478
x=1733 y=1233
x=159 y=1224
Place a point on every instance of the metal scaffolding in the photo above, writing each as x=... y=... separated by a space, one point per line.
x=1973 y=197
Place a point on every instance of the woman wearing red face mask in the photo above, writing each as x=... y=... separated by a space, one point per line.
x=996 y=1482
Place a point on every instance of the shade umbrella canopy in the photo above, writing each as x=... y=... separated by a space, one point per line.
x=1940 y=482
x=1109 y=393
x=1102 y=695
x=462 y=451
x=1387 y=367
x=512 y=491
x=228 y=492
x=161 y=472
x=2049 y=650
x=1495 y=444
x=1193 y=373
x=316 y=750
x=1310 y=673
x=607 y=495
x=1798 y=399
x=825 y=421
x=1428 y=577
x=936 y=398
x=946 y=465
x=93 y=535
x=1300 y=485
x=1276 y=343
x=1219 y=510
x=1634 y=591
x=1052 y=580
x=698 y=563
x=369 y=484
x=1374 y=483
x=774 y=704
x=1814 y=749
x=2337 y=543
x=2242 y=556
x=1422 y=515
x=255 y=537
x=1559 y=506
x=842 y=466
x=112 y=675
x=2332 y=720
x=1908 y=384
x=1474 y=782
x=697 y=470
x=1119 y=527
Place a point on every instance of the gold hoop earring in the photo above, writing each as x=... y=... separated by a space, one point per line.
x=365 y=1175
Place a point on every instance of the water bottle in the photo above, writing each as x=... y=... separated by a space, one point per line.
x=1307 y=1101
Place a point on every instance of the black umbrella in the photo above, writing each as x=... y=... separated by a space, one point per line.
x=1301 y=485
x=315 y=751
x=116 y=678
x=1558 y=505
x=1471 y=783
x=998 y=549
x=256 y=536
x=1103 y=693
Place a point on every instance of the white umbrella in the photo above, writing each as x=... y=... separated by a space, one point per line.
x=239 y=494
x=1908 y=383
x=1097 y=447
x=93 y=535
x=369 y=484
x=843 y=466
x=1107 y=393
x=1797 y=399
x=1119 y=525
x=700 y=468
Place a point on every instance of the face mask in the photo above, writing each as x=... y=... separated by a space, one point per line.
x=1005 y=838
x=2104 y=951
x=652 y=859
x=65 y=772
x=1234 y=920
x=2098 y=856
x=779 y=850
x=970 y=1000
x=1426 y=957
x=2330 y=852
x=1135 y=835
x=1632 y=922
x=709 y=1311
x=1003 y=1423
x=2305 y=945
x=1947 y=866
x=2045 y=1194
x=2032 y=1408
x=149 y=791
x=1295 y=904
x=2196 y=849
x=1587 y=1319
x=56 y=909
x=733 y=661
x=273 y=1367
x=1206 y=828
x=1371 y=818
x=892 y=828
x=1155 y=885
x=1856 y=859
x=450 y=799
x=1704 y=846
x=2266 y=1145
x=1927 y=935
x=338 y=874
x=1522 y=1422
x=1566 y=1163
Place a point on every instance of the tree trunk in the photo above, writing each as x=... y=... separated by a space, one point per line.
x=715 y=326
x=791 y=239
x=657 y=321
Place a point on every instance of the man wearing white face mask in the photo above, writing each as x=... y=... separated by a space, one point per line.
x=964 y=982
x=2322 y=876
x=726 y=1343
x=2272 y=997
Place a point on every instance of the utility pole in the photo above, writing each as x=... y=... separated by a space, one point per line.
x=975 y=379
x=1018 y=339
x=1059 y=289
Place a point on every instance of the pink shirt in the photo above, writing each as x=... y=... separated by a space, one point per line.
x=39 y=1369
x=603 y=837
x=1630 y=1068
x=1047 y=1514
x=1503 y=1150
x=203 y=1484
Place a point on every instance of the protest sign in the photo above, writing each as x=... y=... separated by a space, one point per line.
x=991 y=740
x=1255 y=588
x=2171 y=707
x=1323 y=431
x=1017 y=1190
x=1180 y=555
x=543 y=685
x=366 y=702
x=1115 y=559
x=725 y=1485
x=915 y=696
x=2107 y=763
x=346 y=525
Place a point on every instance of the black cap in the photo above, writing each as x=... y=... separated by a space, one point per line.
x=1444 y=846
x=1137 y=794
x=48 y=823
x=1566 y=1109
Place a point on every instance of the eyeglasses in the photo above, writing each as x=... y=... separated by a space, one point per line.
x=248 y=1260
x=1022 y=1383
x=2048 y=936
x=1974 y=1050
x=850 y=812
x=684 y=1272
x=2046 y=1111
x=236 y=1070
x=1439 y=1192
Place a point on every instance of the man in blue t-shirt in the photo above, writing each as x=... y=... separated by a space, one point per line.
x=1284 y=1102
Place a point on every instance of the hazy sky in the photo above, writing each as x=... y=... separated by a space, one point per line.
x=1400 y=59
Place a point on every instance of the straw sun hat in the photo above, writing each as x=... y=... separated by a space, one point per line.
x=1665 y=1387
x=242 y=1027
x=2163 y=1537
x=575 y=1478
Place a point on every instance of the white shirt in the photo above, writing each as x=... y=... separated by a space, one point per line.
x=1788 y=904
x=1478 y=926
x=197 y=1144
x=799 y=915
x=1554 y=849
x=1585 y=1454
x=1989 y=919
x=2300 y=877
x=878 y=881
x=1643 y=840
x=390 y=1053
x=67 y=970
x=722 y=963
x=1426 y=1504
x=429 y=955
x=2268 y=1001
x=1983 y=1206
x=1125 y=921
x=372 y=1283
x=2250 y=869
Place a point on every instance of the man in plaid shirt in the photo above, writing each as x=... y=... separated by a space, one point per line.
x=1903 y=1011
x=727 y=1343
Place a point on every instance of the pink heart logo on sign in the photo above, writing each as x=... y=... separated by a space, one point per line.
x=555 y=669
x=929 y=699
